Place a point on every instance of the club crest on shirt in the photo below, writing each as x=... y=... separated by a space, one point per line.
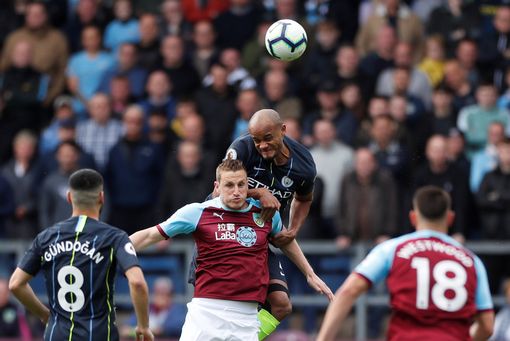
x=231 y=154
x=286 y=181
x=246 y=236
x=258 y=220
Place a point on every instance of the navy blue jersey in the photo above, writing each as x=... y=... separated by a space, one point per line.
x=79 y=257
x=296 y=176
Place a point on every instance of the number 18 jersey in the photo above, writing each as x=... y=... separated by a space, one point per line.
x=436 y=285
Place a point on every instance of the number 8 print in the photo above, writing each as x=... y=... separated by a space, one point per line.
x=443 y=283
x=74 y=288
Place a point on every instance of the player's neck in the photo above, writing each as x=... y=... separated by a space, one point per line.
x=434 y=226
x=283 y=156
x=91 y=213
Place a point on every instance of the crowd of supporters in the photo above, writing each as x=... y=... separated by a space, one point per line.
x=390 y=95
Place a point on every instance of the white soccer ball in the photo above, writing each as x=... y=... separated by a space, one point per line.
x=286 y=40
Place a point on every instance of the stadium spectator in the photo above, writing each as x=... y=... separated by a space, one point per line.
x=238 y=24
x=419 y=85
x=501 y=324
x=347 y=67
x=183 y=76
x=456 y=78
x=120 y=95
x=456 y=151
x=328 y=97
x=396 y=14
x=135 y=161
x=439 y=172
x=248 y=102
x=20 y=172
x=254 y=54
x=53 y=205
x=204 y=50
x=367 y=208
x=86 y=69
x=62 y=109
x=454 y=21
x=432 y=63
x=238 y=76
x=148 y=47
x=495 y=47
x=493 y=198
x=216 y=103
x=22 y=92
x=194 y=11
x=188 y=177
x=466 y=54
x=127 y=66
x=165 y=316
x=333 y=160
x=486 y=159
x=50 y=49
x=474 y=120
x=277 y=95
x=13 y=323
x=87 y=13
x=160 y=97
x=159 y=131
x=100 y=132
x=124 y=28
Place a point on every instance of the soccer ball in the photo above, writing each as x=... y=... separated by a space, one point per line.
x=286 y=40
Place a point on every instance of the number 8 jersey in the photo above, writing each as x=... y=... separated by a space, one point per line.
x=79 y=257
x=436 y=285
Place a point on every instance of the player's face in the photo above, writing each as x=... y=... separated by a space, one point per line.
x=268 y=140
x=233 y=189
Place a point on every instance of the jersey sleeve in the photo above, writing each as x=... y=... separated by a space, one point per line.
x=483 y=299
x=238 y=150
x=32 y=260
x=277 y=224
x=376 y=266
x=307 y=185
x=183 y=221
x=125 y=252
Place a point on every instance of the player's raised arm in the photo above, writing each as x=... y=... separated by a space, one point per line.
x=20 y=288
x=146 y=237
x=140 y=296
x=295 y=254
x=346 y=295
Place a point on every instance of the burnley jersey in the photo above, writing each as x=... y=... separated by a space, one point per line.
x=79 y=257
x=296 y=176
x=436 y=285
x=231 y=245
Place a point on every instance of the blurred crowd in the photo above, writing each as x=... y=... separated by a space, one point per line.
x=390 y=95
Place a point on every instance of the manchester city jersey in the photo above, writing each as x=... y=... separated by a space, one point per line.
x=79 y=257
x=296 y=176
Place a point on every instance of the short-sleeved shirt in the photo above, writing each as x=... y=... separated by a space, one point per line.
x=232 y=248
x=436 y=285
x=79 y=257
x=296 y=176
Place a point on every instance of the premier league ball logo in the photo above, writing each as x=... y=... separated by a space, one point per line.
x=246 y=236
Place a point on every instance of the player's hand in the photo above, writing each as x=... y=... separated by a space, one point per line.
x=269 y=204
x=143 y=334
x=318 y=285
x=283 y=238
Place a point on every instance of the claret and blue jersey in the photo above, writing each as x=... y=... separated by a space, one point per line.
x=296 y=176
x=232 y=248
x=79 y=257
x=433 y=281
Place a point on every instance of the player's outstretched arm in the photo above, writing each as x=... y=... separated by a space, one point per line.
x=140 y=296
x=20 y=288
x=145 y=238
x=295 y=254
x=483 y=327
x=346 y=295
x=299 y=208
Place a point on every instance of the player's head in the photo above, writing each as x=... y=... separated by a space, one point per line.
x=267 y=131
x=86 y=190
x=232 y=184
x=431 y=209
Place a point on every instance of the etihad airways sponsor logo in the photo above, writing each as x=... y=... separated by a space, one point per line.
x=252 y=183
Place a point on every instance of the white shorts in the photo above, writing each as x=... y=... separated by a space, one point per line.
x=220 y=320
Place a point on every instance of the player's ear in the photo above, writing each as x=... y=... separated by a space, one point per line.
x=450 y=217
x=412 y=218
x=284 y=128
x=69 y=198
x=101 y=198
x=216 y=187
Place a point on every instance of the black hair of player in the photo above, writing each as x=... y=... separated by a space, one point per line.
x=85 y=180
x=432 y=202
